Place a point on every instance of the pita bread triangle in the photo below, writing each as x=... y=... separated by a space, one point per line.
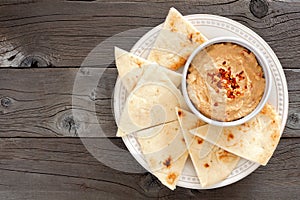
x=166 y=153
x=131 y=67
x=151 y=103
x=177 y=39
x=169 y=176
x=255 y=140
x=212 y=164
x=127 y=61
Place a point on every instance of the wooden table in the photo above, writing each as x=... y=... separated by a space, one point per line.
x=42 y=45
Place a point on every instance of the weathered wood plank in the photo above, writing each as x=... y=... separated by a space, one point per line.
x=41 y=102
x=62 y=33
x=38 y=102
x=62 y=168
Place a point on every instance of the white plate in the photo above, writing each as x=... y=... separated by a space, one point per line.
x=212 y=26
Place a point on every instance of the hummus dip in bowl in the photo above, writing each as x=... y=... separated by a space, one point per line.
x=226 y=81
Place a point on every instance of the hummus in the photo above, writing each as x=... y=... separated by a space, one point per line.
x=225 y=82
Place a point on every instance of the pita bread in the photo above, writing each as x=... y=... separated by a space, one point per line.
x=255 y=140
x=121 y=133
x=166 y=153
x=127 y=61
x=173 y=148
x=151 y=103
x=212 y=164
x=169 y=176
x=159 y=137
x=131 y=68
x=175 y=42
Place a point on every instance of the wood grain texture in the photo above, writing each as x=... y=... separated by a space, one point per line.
x=62 y=33
x=63 y=169
x=39 y=103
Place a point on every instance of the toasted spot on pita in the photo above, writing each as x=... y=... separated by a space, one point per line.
x=226 y=156
x=199 y=123
x=274 y=136
x=139 y=63
x=195 y=37
x=167 y=162
x=230 y=136
x=190 y=36
x=263 y=111
x=223 y=154
x=181 y=61
x=180 y=113
x=182 y=140
x=171 y=178
x=246 y=124
x=199 y=140
x=172 y=23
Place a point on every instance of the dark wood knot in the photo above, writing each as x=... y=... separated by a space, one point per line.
x=259 y=8
x=69 y=124
x=293 y=121
x=93 y=95
x=35 y=62
x=6 y=102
